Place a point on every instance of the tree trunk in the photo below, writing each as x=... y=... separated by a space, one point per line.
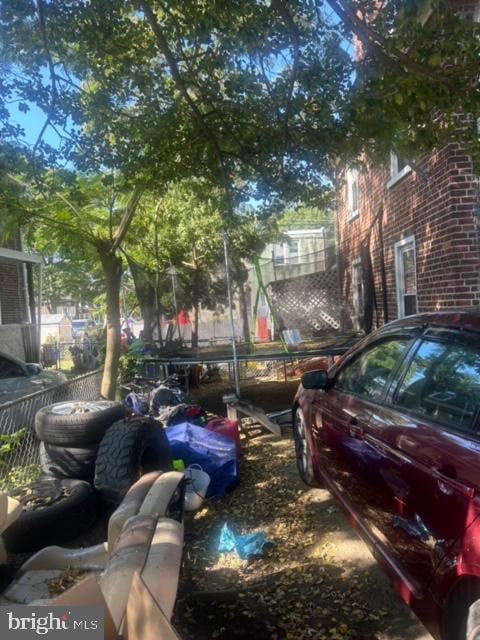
x=196 y=308
x=242 y=300
x=112 y=270
x=145 y=292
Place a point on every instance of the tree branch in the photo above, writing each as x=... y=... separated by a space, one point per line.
x=282 y=9
x=183 y=89
x=127 y=217
x=51 y=69
x=373 y=41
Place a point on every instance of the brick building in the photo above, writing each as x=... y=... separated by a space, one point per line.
x=17 y=307
x=13 y=287
x=408 y=239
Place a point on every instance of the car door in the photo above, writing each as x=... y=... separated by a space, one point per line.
x=352 y=468
x=429 y=435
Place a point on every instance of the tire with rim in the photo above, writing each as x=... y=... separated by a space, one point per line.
x=462 y=613
x=66 y=462
x=473 y=621
x=302 y=450
x=72 y=424
x=54 y=512
x=122 y=457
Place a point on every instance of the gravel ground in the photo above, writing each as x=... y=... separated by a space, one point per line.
x=318 y=581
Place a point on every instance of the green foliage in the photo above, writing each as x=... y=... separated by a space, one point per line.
x=10 y=443
x=20 y=476
x=305 y=217
x=12 y=477
x=127 y=368
x=413 y=85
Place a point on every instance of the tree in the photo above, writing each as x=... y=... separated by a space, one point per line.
x=91 y=216
x=180 y=228
x=260 y=100
x=416 y=78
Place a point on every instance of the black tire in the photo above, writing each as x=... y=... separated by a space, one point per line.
x=119 y=459
x=157 y=455
x=71 y=512
x=63 y=462
x=473 y=621
x=302 y=450
x=462 y=613
x=76 y=429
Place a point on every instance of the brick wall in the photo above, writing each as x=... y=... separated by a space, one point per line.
x=438 y=205
x=12 y=288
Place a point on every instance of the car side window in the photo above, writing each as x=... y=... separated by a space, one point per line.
x=443 y=383
x=368 y=374
x=10 y=369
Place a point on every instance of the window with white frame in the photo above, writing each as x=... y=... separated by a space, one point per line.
x=286 y=252
x=398 y=168
x=352 y=193
x=358 y=292
x=406 y=277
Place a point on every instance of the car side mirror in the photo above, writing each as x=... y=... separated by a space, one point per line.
x=34 y=369
x=315 y=380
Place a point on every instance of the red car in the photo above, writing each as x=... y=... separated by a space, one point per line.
x=393 y=431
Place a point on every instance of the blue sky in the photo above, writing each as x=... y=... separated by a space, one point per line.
x=32 y=122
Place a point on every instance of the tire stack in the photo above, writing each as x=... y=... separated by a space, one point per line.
x=63 y=504
x=70 y=434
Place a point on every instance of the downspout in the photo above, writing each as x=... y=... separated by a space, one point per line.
x=25 y=285
x=39 y=328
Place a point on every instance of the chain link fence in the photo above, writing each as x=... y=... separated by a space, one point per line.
x=19 y=455
x=73 y=356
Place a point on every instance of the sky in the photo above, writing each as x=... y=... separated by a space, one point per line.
x=32 y=122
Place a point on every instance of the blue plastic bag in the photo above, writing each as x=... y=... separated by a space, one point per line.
x=216 y=454
x=250 y=545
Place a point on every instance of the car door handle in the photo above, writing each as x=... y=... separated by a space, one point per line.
x=356 y=431
x=448 y=484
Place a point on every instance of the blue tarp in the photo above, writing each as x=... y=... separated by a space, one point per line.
x=216 y=454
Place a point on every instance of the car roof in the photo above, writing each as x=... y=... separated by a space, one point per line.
x=468 y=318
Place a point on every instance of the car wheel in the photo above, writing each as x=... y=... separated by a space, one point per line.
x=462 y=614
x=72 y=424
x=473 y=622
x=302 y=450
x=77 y=463
x=54 y=512
x=128 y=450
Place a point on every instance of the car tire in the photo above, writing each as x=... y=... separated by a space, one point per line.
x=157 y=455
x=302 y=450
x=72 y=424
x=473 y=621
x=122 y=458
x=70 y=510
x=66 y=462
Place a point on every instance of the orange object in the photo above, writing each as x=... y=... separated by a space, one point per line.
x=183 y=318
x=262 y=328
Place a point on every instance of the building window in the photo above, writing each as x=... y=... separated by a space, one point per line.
x=406 y=277
x=358 y=294
x=292 y=251
x=398 y=169
x=286 y=252
x=352 y=193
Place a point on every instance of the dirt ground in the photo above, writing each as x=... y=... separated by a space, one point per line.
x=317 y=581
